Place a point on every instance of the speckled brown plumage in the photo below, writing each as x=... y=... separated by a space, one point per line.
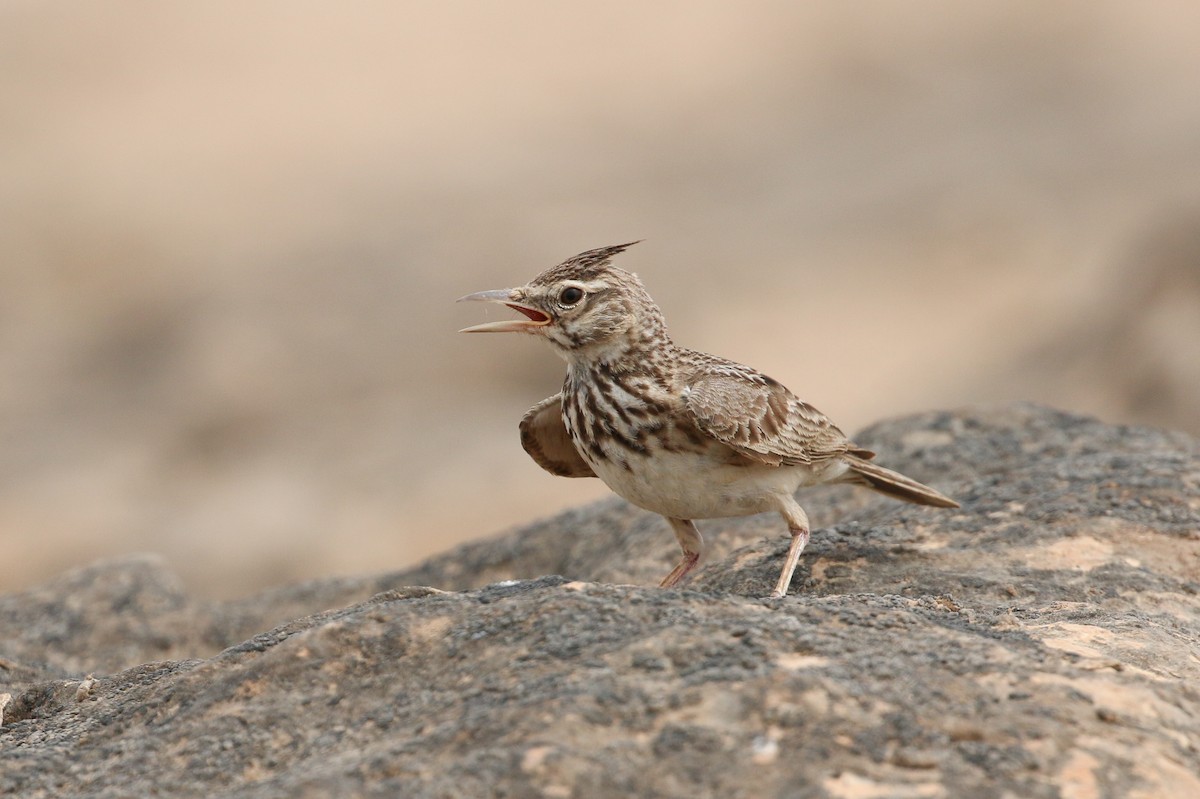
x=678 y=432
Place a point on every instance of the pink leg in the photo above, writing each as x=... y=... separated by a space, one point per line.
x=692 y=545
x=797 y=521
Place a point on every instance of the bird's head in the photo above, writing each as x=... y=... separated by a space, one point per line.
x=585 y=307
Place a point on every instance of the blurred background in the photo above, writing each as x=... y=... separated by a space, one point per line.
x=231 y=237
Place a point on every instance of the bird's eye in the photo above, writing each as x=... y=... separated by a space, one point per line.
x=570 y=295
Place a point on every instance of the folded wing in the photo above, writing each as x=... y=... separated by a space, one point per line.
x=761 y=420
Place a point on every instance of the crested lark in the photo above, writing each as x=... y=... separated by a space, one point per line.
x=675 y=431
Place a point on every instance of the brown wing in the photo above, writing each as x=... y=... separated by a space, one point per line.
x=761 y=420
x=545 y=438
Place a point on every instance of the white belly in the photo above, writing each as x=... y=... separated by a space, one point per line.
x=688 y=485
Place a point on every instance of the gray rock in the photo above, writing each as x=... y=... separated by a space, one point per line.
x=1043 y=641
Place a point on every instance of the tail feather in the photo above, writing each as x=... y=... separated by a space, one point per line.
x=894 y=484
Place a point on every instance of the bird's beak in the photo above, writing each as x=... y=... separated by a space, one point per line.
x=535 y=318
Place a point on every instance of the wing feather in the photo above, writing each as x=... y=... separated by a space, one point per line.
x=545 y=438
x=760 y=419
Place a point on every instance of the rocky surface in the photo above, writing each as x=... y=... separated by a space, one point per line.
x=1043 y=641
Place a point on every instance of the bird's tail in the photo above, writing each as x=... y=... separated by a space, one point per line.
x=885 y=481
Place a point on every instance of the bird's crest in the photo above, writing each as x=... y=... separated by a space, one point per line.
x=584 y=266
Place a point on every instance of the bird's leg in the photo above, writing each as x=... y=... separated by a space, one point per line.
x=797 y=521
x=691 y=543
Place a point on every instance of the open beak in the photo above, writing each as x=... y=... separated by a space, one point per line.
x=534 y=318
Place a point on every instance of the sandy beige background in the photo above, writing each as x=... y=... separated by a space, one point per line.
x=231 y=236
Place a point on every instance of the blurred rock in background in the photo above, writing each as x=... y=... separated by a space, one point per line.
x=231 y=237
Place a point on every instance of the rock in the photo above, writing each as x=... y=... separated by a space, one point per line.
x=1043 y=641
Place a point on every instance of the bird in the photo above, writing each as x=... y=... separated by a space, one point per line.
x=678 y=432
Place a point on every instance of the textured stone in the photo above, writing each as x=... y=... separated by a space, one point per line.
x=1040 y=642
